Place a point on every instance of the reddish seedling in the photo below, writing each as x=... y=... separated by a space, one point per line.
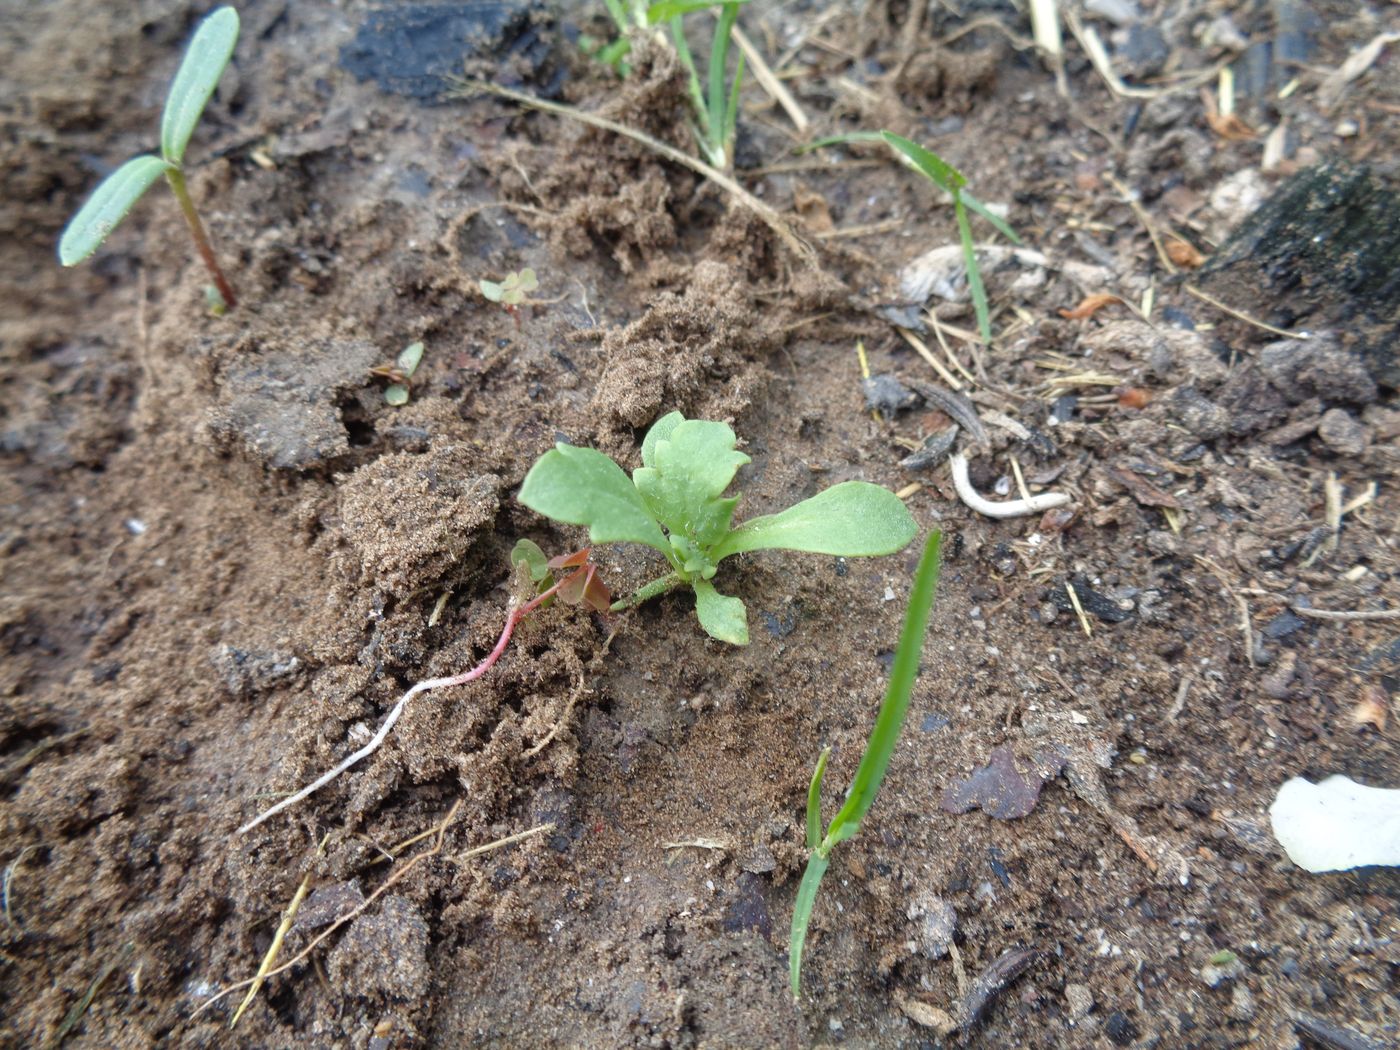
x=575 y=581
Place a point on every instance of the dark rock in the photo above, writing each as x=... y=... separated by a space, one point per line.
x=885 y=393
x=1325 y=246
x=748 y=910
x=1120 y=1030
x=1319 y=366
x=412 y=49
x=1094 y=603
x=1284 y=624
x=1251 y=402
x=1203 y=418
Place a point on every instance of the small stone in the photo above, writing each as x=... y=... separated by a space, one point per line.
x=1079 y=1000
x=1242 y=1005
x=1346 y=129
x=1120 y=1030
x=921 y=1013
x=1215 y=974
x=937 y=921
x=1342 y=433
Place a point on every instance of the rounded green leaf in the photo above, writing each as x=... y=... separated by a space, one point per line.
x=205 y=60
x=108 y=206
x=722 y=617
x=409 y=358
x=396 y=395
x=853 y=520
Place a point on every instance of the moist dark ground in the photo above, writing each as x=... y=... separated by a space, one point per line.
x=222 y=552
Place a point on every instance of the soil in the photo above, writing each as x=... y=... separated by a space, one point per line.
x=225 y=556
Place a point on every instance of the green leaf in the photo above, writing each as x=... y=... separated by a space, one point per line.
x=693 y=467
x=525 y=280
x=528 y=551
x=409 y=359
x=853 y=519
x=974 y=273
x=991 y=216
x=661 y=430
x=802 y=917
x=491 y=290
x=581 y=486
x=814 y=801
x=665 y=10
x=895 y=706
x=205 y=59
x=396 y=394
x=722 y=617
x=939 y=171
x=108 y=206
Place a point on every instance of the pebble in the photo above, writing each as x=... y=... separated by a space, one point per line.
x=1080 y=1001
x=1216 y=974
x=1242 y=1005
x=1342 y=433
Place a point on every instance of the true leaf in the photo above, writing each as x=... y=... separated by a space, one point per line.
x=661 y=430
x=693 y=467
x=852 y=519
x=582 y=486
x=722 y=617
x=108 y=206
x=208 y=54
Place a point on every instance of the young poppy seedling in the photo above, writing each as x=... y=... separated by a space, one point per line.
x=675 y=503
x=204 y=63
x=399 y=374
x=511 y=293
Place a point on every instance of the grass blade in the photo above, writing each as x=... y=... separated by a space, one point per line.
x=814 y=801
x=665 y=10
x=802 y=917
x=893 y=708
x=974 y=275
x=208 y=54
x=619 y=16
x=939 y=171
x=992 y=217
x=731 y=114
x=108 y=206
x=715 y=108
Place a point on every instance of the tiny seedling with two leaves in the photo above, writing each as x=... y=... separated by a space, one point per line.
x=208 y=54
x=675 y=503
x=400 y=374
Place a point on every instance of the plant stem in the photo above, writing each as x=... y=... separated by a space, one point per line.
x=513 y=618
x=647 y=591
x=176 y=178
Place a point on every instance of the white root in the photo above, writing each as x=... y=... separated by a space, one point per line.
x=1012 y=508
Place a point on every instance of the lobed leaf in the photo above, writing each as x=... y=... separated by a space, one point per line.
x=692 y=466
x=722 y=617
x=581 y=486
x=203 y=65
x=107 y=207
x=852 y=519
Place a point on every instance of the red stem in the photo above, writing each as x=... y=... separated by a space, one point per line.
x=176 y=178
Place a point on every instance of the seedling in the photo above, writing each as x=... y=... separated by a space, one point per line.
x=571 y=578
x=399 y=374
x=873 y=763
x=674 y=503
x=512 y=292
x=949 y=179
x=204 y=62
x=716 y=108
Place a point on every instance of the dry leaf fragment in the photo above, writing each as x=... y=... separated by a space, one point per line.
x=1371 y=709
x=1142 y=490
x=1090 y=305
x=1230 y=127
x=1184 y=254
x=1357 y=63
x=812 y=206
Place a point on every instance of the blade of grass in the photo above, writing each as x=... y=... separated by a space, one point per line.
x=938 y=170
x=731 y=114
x=873 y=764
x=697 y=93
x=992 y=217
x=974 y=275
x=715 y=109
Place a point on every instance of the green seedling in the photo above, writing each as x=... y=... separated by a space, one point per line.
x=716 y=106
x=511 y=293
x=399 y=374
x=953 y=182
x=873 y=764
x=204 y=62
x=571 y=578
x=675 y=503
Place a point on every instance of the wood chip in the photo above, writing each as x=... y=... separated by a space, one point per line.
x=1142 y=490
x=1090 y=305
x=1184 y=254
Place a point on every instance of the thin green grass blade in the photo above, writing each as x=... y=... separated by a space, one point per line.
x=665 y=10
x=716 y=112
x=814 y=801
x=996 y=220
x=697 y=93
x=939 y=171
x=108 y=206
x=731 y=114
x=208 y=54
x=895 y=706
x=802 y=917
x=974 y=274
x=619 y=15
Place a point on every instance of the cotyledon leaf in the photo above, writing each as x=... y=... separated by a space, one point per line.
x=203 y=65
x=107 y=207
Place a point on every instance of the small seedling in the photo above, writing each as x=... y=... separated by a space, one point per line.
x=511 y=293
x=399 y=374
x=571 y=578
x=674 y=503
x=873 y=763
x=716 y=109
x=204 y=62
x=949 y=179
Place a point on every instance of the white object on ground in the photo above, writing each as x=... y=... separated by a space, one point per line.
x=1011 y=508
x=1337 y=824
